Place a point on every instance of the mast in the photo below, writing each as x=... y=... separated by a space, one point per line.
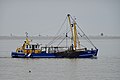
x=70 y=28
x=75 y=36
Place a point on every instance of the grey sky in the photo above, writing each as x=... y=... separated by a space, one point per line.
x=46 y=16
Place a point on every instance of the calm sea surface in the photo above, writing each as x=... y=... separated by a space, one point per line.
x=105 y=67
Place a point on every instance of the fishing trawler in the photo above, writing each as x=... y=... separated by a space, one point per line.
x=74 y=50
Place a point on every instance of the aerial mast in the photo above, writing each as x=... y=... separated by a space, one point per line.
x=27 y=41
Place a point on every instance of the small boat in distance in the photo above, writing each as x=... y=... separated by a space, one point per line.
x=74 y=50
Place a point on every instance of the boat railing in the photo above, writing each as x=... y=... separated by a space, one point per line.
x=53 y=49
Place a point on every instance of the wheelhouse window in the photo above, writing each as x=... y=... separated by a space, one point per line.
x=30 y=46
x=36 y=46
x=26 y=46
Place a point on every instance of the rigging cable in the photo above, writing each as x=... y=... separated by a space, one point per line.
x=57 y=33
x=87 y=37
x=84 y=34
x=66 y=36
x=61 y=41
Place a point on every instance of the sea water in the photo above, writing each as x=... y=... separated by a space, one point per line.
x=105 y=67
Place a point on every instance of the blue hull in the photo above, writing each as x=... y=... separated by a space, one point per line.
x=83 y=54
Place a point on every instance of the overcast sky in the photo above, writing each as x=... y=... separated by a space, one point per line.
x=46 y=16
